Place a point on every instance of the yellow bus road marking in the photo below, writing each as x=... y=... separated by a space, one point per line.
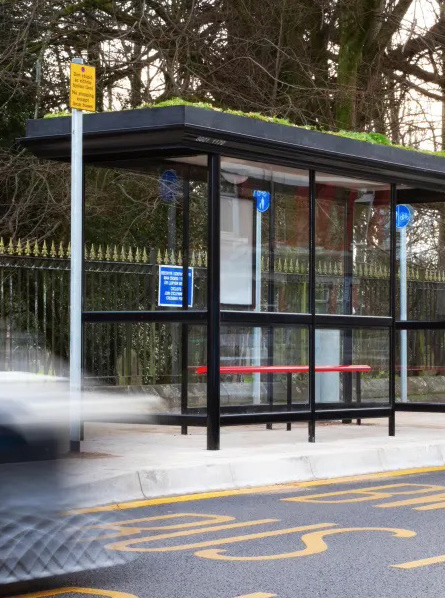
x=420 y=500
x=437 y=505
x=166 y=500
x=422 y=562
x=123 y=528
x=73 y=590
x=123 y=545
x=110 y=593
x=126 y=544
x=313 y=541
x=365 y=494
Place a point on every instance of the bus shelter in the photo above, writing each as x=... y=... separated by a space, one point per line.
x=281 y=288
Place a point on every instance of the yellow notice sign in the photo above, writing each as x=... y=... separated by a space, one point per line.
x=83 y=87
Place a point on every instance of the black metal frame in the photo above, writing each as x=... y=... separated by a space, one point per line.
x=215 y=417
x=185 y=303
x=392 y=287
x=213 y=304
x=117 y=138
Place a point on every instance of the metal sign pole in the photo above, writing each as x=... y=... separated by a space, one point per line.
x=262 y=203
x=403 y=316
x=257 y=331
x=403 y=219
x=76 y=277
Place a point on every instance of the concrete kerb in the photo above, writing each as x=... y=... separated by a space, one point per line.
x=114 y=489
x=241 y=473
x=287 y=469
x=413 y=455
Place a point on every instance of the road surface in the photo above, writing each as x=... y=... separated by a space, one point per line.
x=374 y=536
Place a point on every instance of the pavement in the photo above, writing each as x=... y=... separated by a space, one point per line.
x=121 y=463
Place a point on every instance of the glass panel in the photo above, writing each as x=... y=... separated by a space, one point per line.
x=264 y=236
x=423 y=244
x=194 y=175
x=135 y=238
x=244 y=347
x=352 y=246
x=365 y=349
x=146 y=358
x=197 y=356
x=425 y=372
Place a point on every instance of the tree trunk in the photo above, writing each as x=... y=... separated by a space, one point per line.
x=352 y=39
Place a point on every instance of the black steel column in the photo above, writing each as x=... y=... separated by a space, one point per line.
x=213 y=303
x=185 y=292
x=393 y=305
x=312 y=223
x=347 y=334
x=289 y=398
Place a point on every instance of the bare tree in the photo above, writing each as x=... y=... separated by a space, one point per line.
x=370 y=65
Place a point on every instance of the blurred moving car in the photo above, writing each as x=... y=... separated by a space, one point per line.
x=36 y=541
x=31 y=420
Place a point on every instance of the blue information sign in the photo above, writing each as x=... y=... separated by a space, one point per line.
x=403 y=216
x=169 y=186
x=262 y=200
x=170 y=286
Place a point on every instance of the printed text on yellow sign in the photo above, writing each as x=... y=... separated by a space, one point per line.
x=83 y=87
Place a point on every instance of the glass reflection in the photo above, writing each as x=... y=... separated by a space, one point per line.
x=425 y=254
x=249 y=376
x=425 y=371
x=137 y=223
x=352 y=246
x=264 y=236
x=365 y=353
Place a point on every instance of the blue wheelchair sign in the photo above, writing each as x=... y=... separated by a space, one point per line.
x=262 y=200
x=403 y=215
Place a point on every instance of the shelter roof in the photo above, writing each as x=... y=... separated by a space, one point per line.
x=184 y=130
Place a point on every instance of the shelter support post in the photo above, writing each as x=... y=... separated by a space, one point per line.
x=185 y=293
x=213 y=304
x=311 y=352
x=393 y=307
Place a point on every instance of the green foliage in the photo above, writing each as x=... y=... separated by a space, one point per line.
x=177 y=102
x=15 y=109
x=370 y=137
x=209 y=106
x=56 y=114
x=379 y=138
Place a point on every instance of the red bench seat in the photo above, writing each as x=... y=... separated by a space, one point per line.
x=283 y=369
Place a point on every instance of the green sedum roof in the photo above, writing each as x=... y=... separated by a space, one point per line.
x=377 y=138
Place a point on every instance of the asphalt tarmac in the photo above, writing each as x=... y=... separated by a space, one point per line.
x=374 y=536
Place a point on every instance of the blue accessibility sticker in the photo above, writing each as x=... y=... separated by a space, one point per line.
x=262 y=200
